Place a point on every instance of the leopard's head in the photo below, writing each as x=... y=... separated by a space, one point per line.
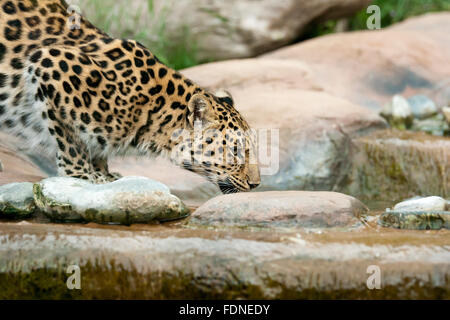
x=218 y=143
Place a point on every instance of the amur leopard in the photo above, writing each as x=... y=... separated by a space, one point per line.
x=82 y=95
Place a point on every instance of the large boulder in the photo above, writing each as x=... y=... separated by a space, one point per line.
x=281 y=209
x=224 y=29
x=369 y=67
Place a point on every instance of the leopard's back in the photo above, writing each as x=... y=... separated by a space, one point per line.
x=25 y=27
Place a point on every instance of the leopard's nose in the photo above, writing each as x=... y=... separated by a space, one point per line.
x=254 y=178
x=253 y=185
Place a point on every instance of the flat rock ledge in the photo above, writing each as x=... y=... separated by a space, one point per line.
x=170 y=263
x=281 y=209
x=125 y=201
x=16 y=200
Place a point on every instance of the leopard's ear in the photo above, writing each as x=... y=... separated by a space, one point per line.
x=224 y=96
x=199 y=109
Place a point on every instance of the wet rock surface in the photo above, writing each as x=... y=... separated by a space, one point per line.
x=16 y=200
x=395 y=165
x=288 y=209
x=171 y=262
x=125 y=201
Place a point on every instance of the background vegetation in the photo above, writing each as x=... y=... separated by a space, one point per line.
x=392 y=11
x=123 y=19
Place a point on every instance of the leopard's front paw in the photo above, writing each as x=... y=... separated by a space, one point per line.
x=99 y=178
x=113 y=176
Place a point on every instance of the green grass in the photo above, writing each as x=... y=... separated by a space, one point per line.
x=141 y=21
x=392 y=11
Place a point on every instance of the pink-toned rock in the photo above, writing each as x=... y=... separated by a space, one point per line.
x=16 y=167
x=369 y=67
x=281 y=209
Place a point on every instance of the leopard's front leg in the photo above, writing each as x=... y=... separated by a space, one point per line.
x=101 y=165
x=73 y=158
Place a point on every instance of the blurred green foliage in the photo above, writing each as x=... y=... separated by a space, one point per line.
x=392 y=11
x=142 y=23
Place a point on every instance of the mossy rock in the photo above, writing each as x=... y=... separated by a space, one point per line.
x=16 y=200
x=433 y=220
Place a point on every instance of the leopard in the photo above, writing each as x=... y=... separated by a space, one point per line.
x=82 y=96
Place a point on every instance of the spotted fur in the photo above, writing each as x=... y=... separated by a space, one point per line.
x=81 y=95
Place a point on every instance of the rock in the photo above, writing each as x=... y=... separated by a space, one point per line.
x=369 y=67
x=162 y=262
x=421 y=204
x=392 y=164
x=287 y=209
x=446 y=113
x=16 y=200
x=191 y=188
x=435 y=220
x=17 y=167
x=398 y=113
x=435 y=125
x=125 y=201
x=422 y=107
x=224 y=29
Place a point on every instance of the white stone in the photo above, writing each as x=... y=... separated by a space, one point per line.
x=127 y=200
x=399 y=108
x=422 y=107
x=16 y=199
x=422 y=204
x=446 y=112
